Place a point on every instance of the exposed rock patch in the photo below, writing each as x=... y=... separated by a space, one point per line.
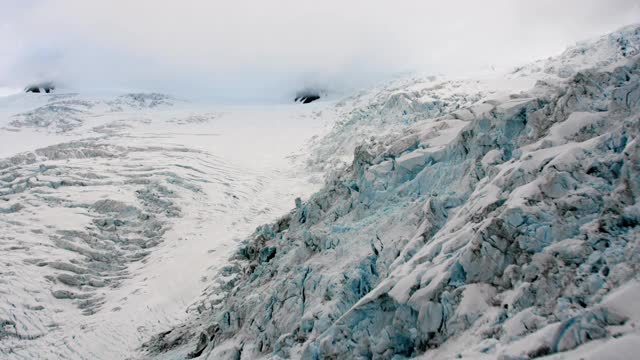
x=44 y=87
x=307 y=96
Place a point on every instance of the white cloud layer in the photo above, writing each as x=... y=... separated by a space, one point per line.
x=265 y=49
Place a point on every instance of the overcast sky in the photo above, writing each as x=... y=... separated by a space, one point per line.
x=248 y=49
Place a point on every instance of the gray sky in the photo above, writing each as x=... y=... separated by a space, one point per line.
x=264 y=49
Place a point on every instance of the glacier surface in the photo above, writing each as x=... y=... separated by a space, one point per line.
x=117 y=209
x=488 y=217
x=494 y=217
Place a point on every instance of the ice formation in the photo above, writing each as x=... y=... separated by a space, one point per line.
x=489 y=217
x=478 y=218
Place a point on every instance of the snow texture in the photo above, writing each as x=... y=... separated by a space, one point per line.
x=117 y=209
x=492 y=217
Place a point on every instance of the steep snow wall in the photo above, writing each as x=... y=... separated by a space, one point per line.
x=505 y=227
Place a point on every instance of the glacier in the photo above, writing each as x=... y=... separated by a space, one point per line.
x=494 y=217
x=117 y=208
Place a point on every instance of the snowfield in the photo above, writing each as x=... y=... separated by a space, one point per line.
x=115 y=211
x=492 y=217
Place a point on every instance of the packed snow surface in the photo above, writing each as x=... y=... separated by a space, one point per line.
x=487 y=217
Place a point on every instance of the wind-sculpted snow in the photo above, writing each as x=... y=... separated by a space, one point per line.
x=502 y=228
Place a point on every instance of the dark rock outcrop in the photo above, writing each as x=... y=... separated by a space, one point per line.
x=46 y=87
x=306 y=96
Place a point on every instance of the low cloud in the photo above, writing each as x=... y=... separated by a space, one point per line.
x=247 y=50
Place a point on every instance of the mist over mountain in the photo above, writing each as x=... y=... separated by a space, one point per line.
x=268 y=50
x=319 y=180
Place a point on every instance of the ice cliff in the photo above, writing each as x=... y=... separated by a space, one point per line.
x=474 y=220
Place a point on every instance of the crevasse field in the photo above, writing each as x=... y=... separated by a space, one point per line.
x=491 y=216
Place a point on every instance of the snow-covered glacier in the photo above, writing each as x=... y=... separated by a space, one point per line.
x=117 y=208
x=483 y=217
x=490 y=217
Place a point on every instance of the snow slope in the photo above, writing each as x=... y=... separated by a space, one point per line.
x=117 y=209
x=495 y=217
